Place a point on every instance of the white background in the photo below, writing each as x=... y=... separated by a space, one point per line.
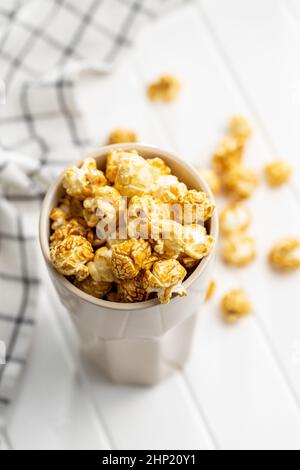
x=241 y=388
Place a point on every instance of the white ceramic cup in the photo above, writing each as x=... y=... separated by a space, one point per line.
x=140 y=343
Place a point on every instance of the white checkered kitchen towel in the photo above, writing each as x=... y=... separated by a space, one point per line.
x=44 y=44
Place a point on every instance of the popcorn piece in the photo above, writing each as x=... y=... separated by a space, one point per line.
x=81 y=183
x=93 y=288
x=165 y=278
x=240 y=182
x=235 y=218
x=59 y=215
x=112 y=163
x=69 y=257
x=100 y=268
x=132 y=290
x=159 y=166
x=240 y=129
x=197 y=207
x=104 y=206
x=169 y=189
x=135 y=177
x=228 y=155
x=210 y=291
x=129 y=258
x=212 y=179
x=197 y=244
x=67 y=208
x=141 y=212
x=75 y=226
x=167 y=89
x=168 y=236
x=235 y=305
x=121 y=136
x=285 y=255
x=278 y=173
x=239 y=249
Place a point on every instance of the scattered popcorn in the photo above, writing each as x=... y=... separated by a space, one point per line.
x=239 y=249
x=93 y=288
x=70 y=256
x=240 y=182
x=122 y=136
x=132 y=290
x=240 y=129
x=228 y=155
x=210 y=291
x=167 y=89
x=135 y=177
x=100 y=268
x=165 y=278
x=235 y=218
x=212 y=179
x=146 y=250
x=81 y=183
x=278 y=173
x=235 y=305
x=129 y=258
x=169 y=189
x=285 y=255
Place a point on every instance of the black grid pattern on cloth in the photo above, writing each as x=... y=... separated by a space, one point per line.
x=26 y=120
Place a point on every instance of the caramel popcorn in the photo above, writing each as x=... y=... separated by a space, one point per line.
x=168 y=237
x=235 y=305
x=75 y=226
x=278 y=173
x=167 y=89
x=196 y=243
x=239 y=249
x=93 y=288
x=197 y=207
x=104 y=206
x=240 y=182
x=129 y=258
x=212 y=179
x=135 y=177
x=285 y=255
x=169 y=189
x=228 y=155
x=100 y=268
x=81 y=183
x=159 y=166
x=235 y=218
x=142 y=211
x=210 y=291
x=132 y=290
x=121 y=136
x=70 y=256
x=240 y=129
x=146 y=250
x=165 y=278
x=59 y=215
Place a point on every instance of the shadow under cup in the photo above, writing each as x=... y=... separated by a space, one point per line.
x=139 y=343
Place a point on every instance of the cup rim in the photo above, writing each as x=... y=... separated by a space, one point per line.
x=44 y=223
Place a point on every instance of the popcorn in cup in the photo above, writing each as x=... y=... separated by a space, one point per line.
x=134 y=296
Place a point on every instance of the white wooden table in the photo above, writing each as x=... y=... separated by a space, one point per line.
x=241 y=388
